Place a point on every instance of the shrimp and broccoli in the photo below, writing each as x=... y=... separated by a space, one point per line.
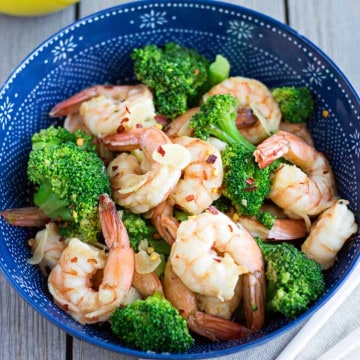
x=169 y=207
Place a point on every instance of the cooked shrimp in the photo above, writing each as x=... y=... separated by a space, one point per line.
x=282 y=229
x=214 y=306
x=135 y=189
x=207 y=325
x=147 y=284
x=329 y=233
x=209 y=255
x=70 y=281
x=299 y=129
x=180 y=125
x=47 y=247
x=105 y=110
x=199 y=185
x=304 y=189
x=255 y=95
x=164 y=221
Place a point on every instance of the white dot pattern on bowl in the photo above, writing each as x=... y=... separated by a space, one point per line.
x=96 y=50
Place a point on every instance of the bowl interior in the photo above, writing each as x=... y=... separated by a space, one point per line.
x=96 y=50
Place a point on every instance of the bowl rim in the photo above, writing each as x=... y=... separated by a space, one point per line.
x=213 y=353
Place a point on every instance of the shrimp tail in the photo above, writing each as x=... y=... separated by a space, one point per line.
x=254 y=292
x=287 y=229
x=25 y=217
x=112 y=227
x=216 y=328
x=164 y=221
x=125 y=141
x=269 y=152
x=72 y=104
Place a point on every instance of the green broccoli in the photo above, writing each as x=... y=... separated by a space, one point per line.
x=244 y=183
x=217 y=118
x=174 y=73
x=152 y=324
x=139 y=228
x=296 y=103
x=69 y=177
x=294 y=281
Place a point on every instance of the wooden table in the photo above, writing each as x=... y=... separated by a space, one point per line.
x=331 y=24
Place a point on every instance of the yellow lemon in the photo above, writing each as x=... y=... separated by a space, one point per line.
x=33 y=7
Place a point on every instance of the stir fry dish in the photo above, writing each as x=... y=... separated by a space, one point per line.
x=169 y=207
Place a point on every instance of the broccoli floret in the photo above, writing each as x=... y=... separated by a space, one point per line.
x=294 y=281
x=296 y=103
x=69 y=176
x=152 y=324
x=139 y=228
x=217 y=118
x=174 y=73
x=244 y=183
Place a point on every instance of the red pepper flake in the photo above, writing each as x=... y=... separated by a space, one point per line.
x=217 y=260
x=250 y=181
x=213 y=210
x=120 y=129
x=230 y=228
x=138 y=126
x=211 y=159
x=115 y=167
x=127 y=110
x=161 y=119
x=74 y=259
x=161 y=150
x=190 y=198
x=253 y=188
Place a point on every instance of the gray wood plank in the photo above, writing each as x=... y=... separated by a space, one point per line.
x=24 y=333
x=327 y=24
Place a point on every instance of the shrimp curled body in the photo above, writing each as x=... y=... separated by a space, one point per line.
x=137 y=187
x=329 y=233
x=209 y=255
x=255 y=95
x=305 y=188
x=200 y=183
x=70 y=281
x=103 y=110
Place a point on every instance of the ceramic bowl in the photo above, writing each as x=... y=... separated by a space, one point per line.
x=95 y=50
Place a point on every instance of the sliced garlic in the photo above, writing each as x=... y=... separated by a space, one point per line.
x=145 y=264
x=173 y=155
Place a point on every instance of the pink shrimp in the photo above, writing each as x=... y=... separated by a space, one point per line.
x=103 y=110
x=207 y=325
x=304 y=189
x=70 y=281
x=140 y=189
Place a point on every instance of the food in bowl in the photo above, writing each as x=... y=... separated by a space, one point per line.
x=201 y=162
x=96 y=50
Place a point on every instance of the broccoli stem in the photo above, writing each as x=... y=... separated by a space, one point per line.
x=228 y=132
x=219 y=70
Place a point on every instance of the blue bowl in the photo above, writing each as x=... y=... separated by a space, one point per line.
x=95 y=50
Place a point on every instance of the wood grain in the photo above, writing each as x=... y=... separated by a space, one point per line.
x=24 y=333
x=327 y=24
